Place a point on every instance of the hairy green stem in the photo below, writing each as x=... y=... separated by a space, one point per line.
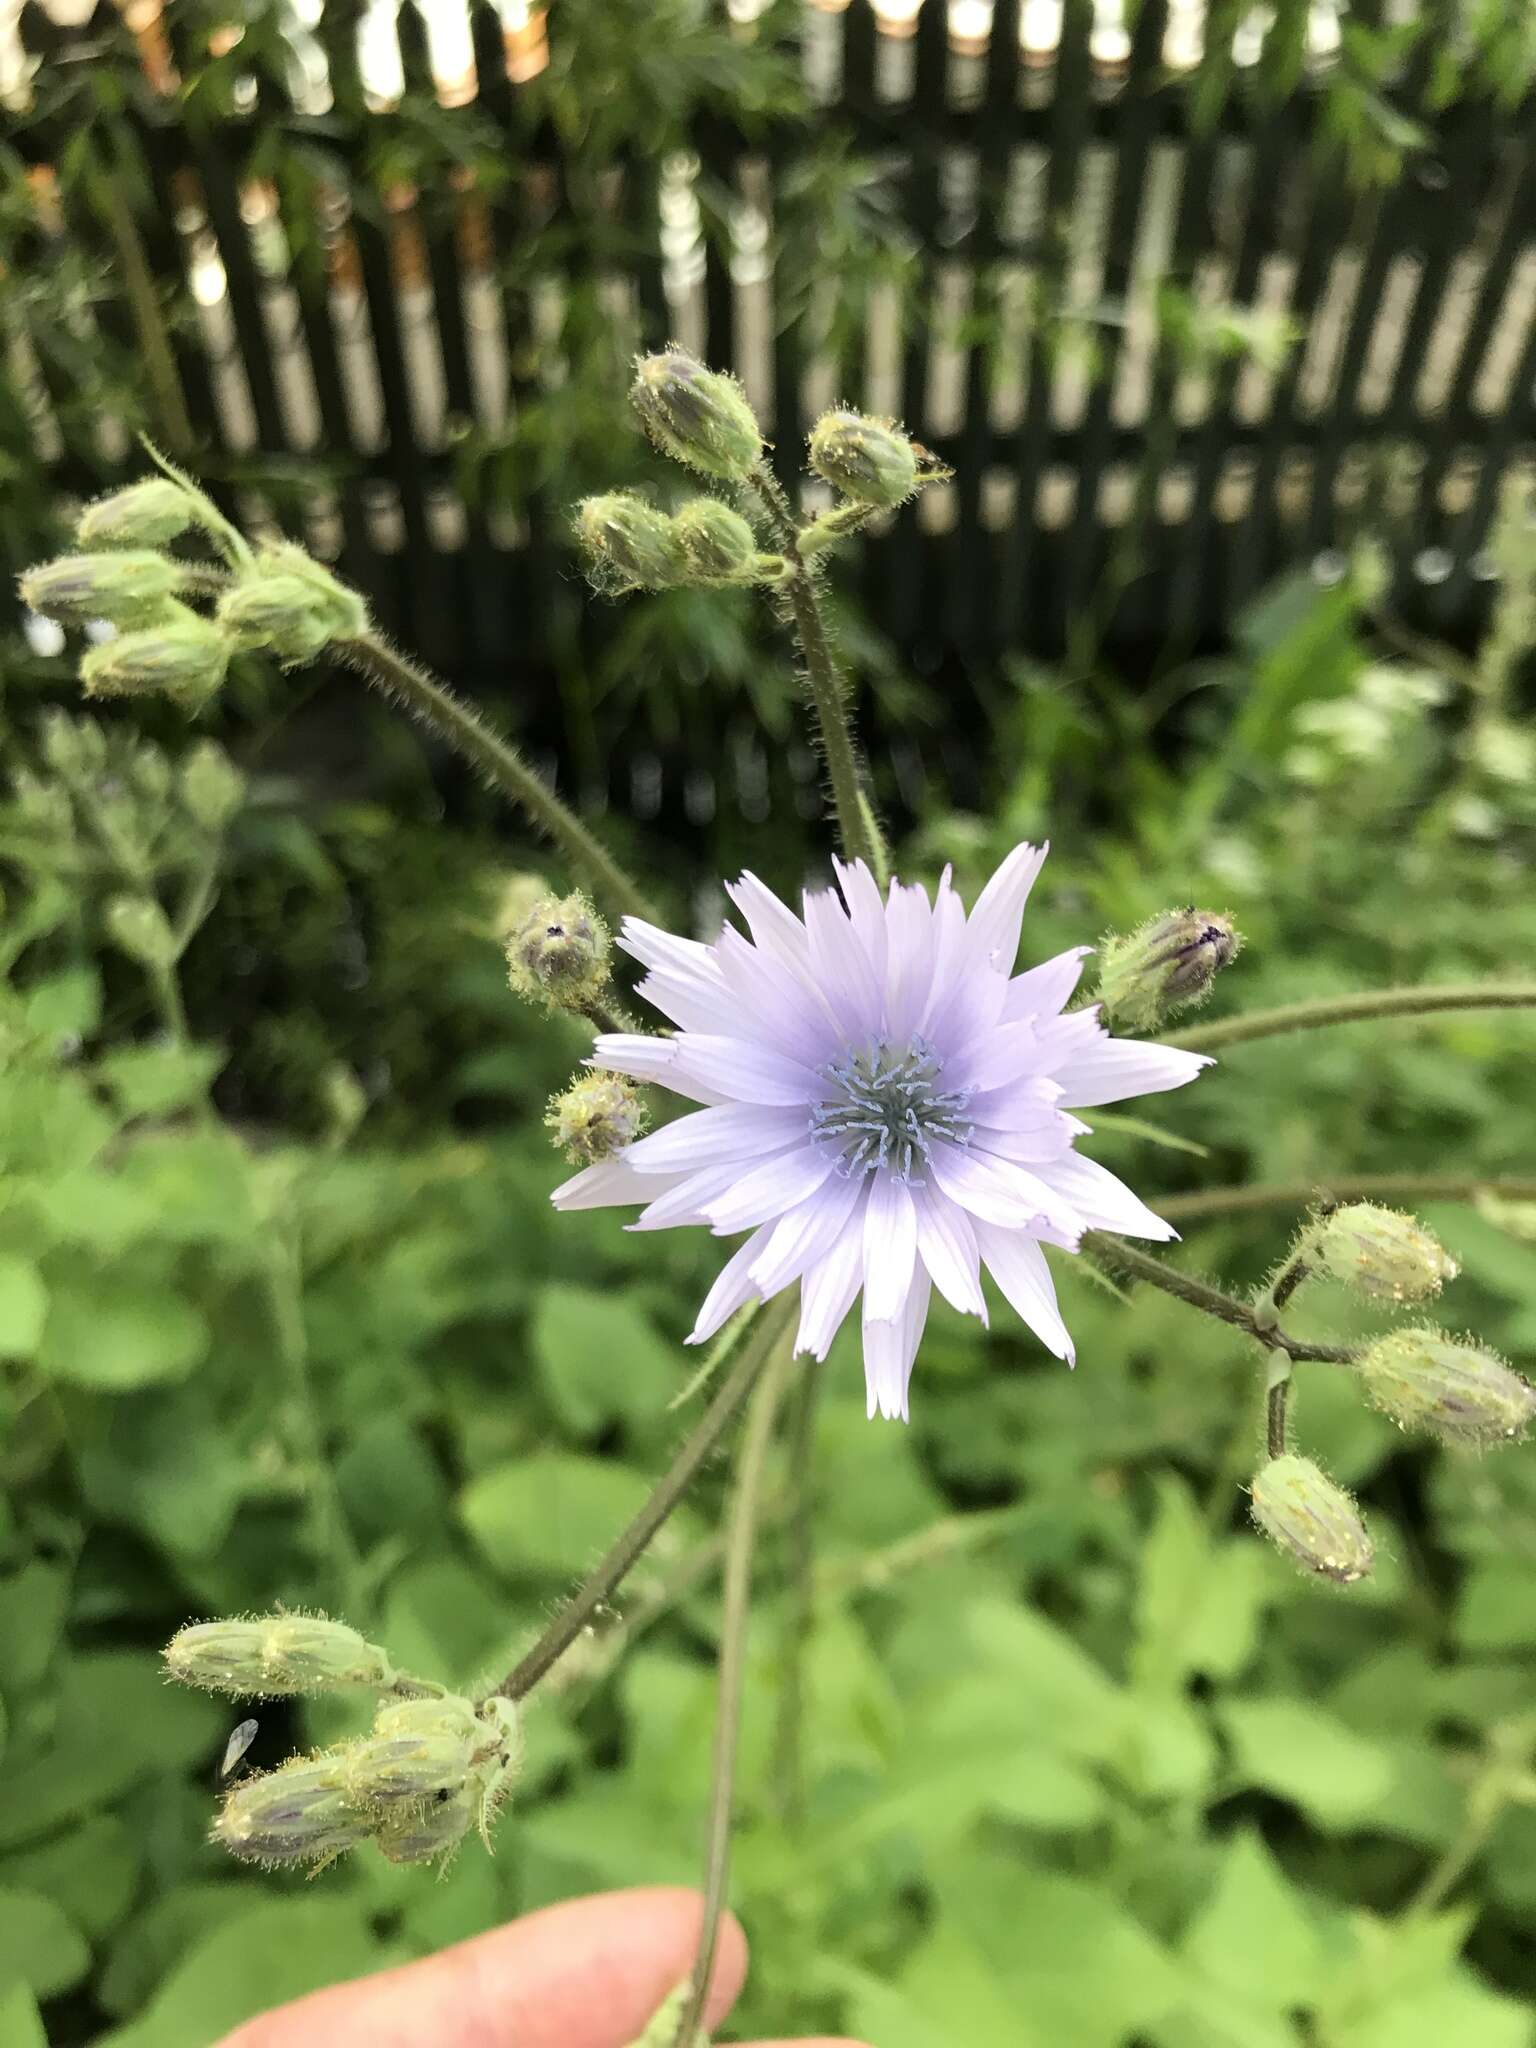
x=740 y=1548
x=856 y=826
x=1124 y=1260
x=1504 y=1771
x=434 y=705
x=1381 y=1002
x=1361 y=1187
x=631 y=1542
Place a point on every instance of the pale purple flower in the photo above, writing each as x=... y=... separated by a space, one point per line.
x=886 y=1109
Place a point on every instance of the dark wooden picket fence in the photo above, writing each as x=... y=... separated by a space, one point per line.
x=336 y=347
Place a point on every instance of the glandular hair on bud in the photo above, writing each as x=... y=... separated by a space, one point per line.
x=127 y=588
x=419 y=1749
x=1312 y=1520
x=1164 y=966
x=869 y=460
x=288 y=603
x=558 y=955
x=718 y=545
x=278 y=1655
x=182 y=654
x=595 y=1118
x=299 y=1813
x=1455 y=1390
x=628 y=544
x=698 y=416
x=145 y=515
x=1381 y=1253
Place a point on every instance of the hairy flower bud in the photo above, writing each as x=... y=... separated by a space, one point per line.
x=129 y=588
x=419 y=1749
x=869 y=460
x=182 y=654
x=141 y=929
x=74 y=748
x=1163 y=966
x=288 y=603
x=1313 y=1521
x=276 y=1654
x=595 y=1117
x=1459 y=1392
x=697 y=416
x=299 y=1813
x=717 y=543
x=516 y=895
x=212 y=788
x=425 y=1830
x=628 y=544
x=558 y=955
x=1381 y=1253
x=145 y=515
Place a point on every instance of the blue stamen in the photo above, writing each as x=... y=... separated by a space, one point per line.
x=885 y=1108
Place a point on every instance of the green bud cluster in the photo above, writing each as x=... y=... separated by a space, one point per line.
x=1313 y=1521
x=1381 y=1253
x=699 y=417
x=1449 y=1388
x=276 y=1656
x=1164 y=966
x=287 y=603
x=558 y=955
x=596 y=1117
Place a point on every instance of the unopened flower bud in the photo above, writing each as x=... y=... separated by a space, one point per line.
x=1163 y=966
x=74 y=748
x=559 y=954
x=595 y=1117
x=129 y=588
x=1313 y=1521
x=717 y=543
x=419 y=1749
x=697 y=416
x=141 y=929
x=1462 y=1394
x=421 y=1832
x=299 y=1813
x=145 y=515
x=41 y=805
x=869 y=460
x=212 y=788
x=1381 y=1253
x=150 y=774
x=183 y=654
x=628 y=544
x=288 y=603
x=278 y=1655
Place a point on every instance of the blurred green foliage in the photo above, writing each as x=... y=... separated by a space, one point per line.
x=285 y=1317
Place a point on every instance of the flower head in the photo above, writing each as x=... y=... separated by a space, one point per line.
x=885 y=1109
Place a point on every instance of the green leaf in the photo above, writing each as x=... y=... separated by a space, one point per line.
x=21 y=2024
x=23 y=1306
x=154 y=1080
x=90 y=1871
x=1254 y=1936
x=600 y=1358
x=1302 y=1754
x=1154 y=1134
x=39 y=1944
x=1198 y=1602
x=114 y=1331
x=34 y=1604
x=1059 y=1692
x=65 y=1008
x=555 y=1513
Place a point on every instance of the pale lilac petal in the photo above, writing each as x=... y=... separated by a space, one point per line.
x=712 y=1137
x=946 y=1244
x=866 y=911
x=829 y=1288
x=842 y=969
x=801 y=1235
x=708 y=1068
x=687 y=1200
x=653 y=947
x=687 y=1000
x=1034 y=1145
x=768 y=997
x=996 y=1058
x=993 y=926
x=774 y=926
x=948 y=957
x=889 y=1349
x=909 y=959
x=734 y=1287
x=1044 y=990
x=1115 y=1068
x=991 y=1188
x=890 y=1246
x=1018 y=1266
x=1103 y=1200
x=610 y=1182
x=765 y=1191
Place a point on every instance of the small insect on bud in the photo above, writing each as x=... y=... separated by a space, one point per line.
x=697 y=416
x=558 y=955
x=278 y=1654
x=869 y=460
x=299 y=1813
x=1313 y=1521
x=1462 y=1394
x=129 y=589
x=1163 y=966
x=288 y=603
x=594 y=1118
x=717 y=543
x=419 y=1749
x=628 y=544
x=145 y=515
x=182 y=654
x=1381 y=1253
x=212 y=788
x=140 y=928
x=425 y=1830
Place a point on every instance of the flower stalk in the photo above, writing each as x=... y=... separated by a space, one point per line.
x=1427 y=1001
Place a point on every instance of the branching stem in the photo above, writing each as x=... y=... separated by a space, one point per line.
x=1354 y=1009
x=1125 y=1260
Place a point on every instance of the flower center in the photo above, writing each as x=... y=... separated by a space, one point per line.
x=885 y=1107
